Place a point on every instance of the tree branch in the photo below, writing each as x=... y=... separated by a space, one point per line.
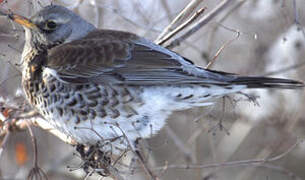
x=195 y=27
x=186 y=12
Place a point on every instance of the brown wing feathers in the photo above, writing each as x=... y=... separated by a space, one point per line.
x=98 y=58
x=117 y=57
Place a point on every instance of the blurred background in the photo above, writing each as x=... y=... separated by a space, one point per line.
x=267 y=38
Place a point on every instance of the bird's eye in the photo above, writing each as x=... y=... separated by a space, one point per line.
x=51 y=25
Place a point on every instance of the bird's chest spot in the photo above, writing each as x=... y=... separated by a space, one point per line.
x=32 y=77
x=32 y=84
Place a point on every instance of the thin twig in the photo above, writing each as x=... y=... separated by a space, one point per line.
x=221 y=49
x=255 y=162
x=28 y=115
x=186 y=12
x=43 y=124
x=36 y=172
x=33 y=138
x=204 y=20
x=216 y=27
x=144 y=165
x=181 y=27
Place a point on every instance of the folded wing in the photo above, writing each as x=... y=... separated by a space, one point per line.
x=115 y=57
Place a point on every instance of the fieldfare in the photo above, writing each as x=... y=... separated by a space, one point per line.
x=113 y=85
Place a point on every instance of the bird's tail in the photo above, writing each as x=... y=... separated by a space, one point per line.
x=267 y=82
x=254 y=81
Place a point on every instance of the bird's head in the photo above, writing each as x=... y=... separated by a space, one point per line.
x=53 y=25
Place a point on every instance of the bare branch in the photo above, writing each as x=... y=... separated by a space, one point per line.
x=221 y=49
x=255 y=162
x=136 y=152
x=36 y=172
x=223 y=18
x=181 y=27
x=186 y=12
x=204 y=20
x=47 y=127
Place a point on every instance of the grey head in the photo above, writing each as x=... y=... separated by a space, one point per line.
x=53 y=25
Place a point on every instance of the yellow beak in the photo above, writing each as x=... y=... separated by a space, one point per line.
x=22 y=21
x=18 y=19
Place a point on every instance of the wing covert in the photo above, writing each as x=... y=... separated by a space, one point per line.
x=116 y=57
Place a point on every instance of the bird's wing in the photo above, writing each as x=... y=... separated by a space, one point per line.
x=116 y=57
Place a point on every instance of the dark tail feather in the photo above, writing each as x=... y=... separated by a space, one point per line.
x=266 y=82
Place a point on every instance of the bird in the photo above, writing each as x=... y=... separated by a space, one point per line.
x=98 y=85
